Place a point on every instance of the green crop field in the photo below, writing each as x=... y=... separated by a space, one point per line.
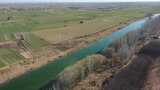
x=8 y=56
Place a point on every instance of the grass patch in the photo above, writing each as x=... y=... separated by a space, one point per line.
x=33 y=42
x=9 y=56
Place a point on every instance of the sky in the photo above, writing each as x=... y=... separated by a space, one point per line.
x=34 y=1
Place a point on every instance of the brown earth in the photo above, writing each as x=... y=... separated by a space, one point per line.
x=152 y=81
x=8 y=44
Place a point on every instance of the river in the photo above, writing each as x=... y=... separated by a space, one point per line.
x=37 y=78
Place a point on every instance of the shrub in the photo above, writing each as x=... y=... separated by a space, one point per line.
x=80 y=70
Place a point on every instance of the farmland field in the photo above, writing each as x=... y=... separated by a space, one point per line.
x=38 y=20
x=38 y=41
x=8 y=56
x=104 y=21
x=46 y=26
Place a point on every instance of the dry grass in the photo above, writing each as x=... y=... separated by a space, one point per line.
x=61 y=34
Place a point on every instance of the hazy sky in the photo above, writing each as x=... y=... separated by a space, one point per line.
x=13 y=1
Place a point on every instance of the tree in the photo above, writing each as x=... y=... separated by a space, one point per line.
x=149 y=15
x=81 y=22
x=8 y=18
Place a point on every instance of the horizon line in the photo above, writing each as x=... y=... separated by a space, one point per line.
x=79 y=2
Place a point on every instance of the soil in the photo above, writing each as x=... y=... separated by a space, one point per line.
x=152 y=81
x=8 y=44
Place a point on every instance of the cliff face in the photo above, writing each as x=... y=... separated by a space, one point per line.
x=142 y=72
x=132 y=76
x=152 y=81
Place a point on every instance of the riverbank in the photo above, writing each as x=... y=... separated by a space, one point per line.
x=55 y=51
